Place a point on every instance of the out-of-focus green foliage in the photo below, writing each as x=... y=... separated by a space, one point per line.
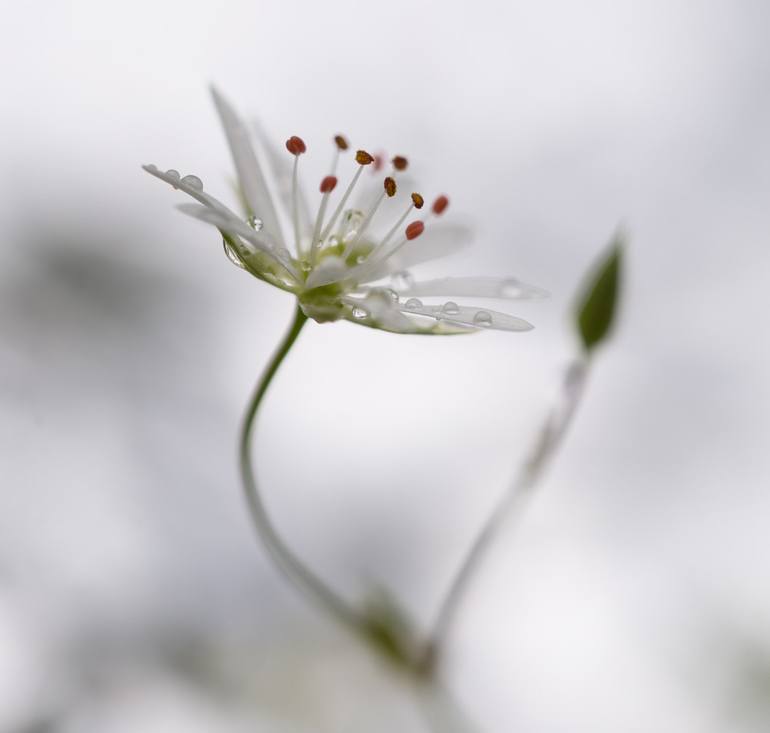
x=598 y=303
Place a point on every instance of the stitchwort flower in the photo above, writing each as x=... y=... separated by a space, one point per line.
x=350 y=260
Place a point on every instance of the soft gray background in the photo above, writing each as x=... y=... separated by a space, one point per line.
x=635 y=595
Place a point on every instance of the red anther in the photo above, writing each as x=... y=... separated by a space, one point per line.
x=414 y=230
x=363 y=158
x=417 y=200
x=340 y=142
x=390 y=186
x=328 y=184
x=440 y=204
x=295 y=145
x=378 y=161
x=400 y=163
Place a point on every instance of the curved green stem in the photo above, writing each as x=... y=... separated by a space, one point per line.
x=510 y=506
x=294 y=569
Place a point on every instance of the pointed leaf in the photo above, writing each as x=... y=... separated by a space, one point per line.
x=597 y=306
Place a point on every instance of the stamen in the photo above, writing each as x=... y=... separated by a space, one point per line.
x=418 y=200
x=389 y=186
x=328 y=184
x=440 y=204
x=296 y=146
x=400 y=163
x=379 y=159
x=414 y=230
x=363 y=159
x=341 y=144
x=376 y=253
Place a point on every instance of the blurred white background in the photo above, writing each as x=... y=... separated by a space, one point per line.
x=634 y=596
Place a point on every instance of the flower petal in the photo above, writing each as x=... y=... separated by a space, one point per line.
x=469 y=316
x=378 y=310
x=438 y=240
x=249 y=173
x=234 y=226
x=197 y=194
x=508 y=288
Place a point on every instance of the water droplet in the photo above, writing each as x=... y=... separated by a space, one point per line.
x=193 y=182
x=413 y=304
x=171 y=173
x=483 y=319
x=254 y=222
x=360 y=259
x=450 y=308
x=360 y=313
x=333 y=241
x=393 y=294
x=510 y=288
x=351 y=223
x=305 y=266
x=403 y=280
x=231 y=255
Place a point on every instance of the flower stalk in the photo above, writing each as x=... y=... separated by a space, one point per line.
x=293 y=568
x=510 y=507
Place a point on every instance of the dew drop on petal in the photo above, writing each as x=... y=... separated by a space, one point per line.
x=171 y=173
x=360 y=259
x=231 y=255
x=403 y=280
x=193 y=182
x=450 y=308
x=413 y=304
x=510 y=288
x=359 y=312
x=483 y=319
x=255 y=223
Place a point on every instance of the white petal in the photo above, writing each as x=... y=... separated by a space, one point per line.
x=330 y=269
x=508 y=288
x=471 y=316
x=197 y=194
x=235 y=226
x=232 y=224
x=249 y=173
x=379 y=311
x=281 y=167
x=438 y=240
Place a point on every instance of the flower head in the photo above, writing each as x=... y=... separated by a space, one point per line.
x=335 y=263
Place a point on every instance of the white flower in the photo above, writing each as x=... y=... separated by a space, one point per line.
x=339 y=268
